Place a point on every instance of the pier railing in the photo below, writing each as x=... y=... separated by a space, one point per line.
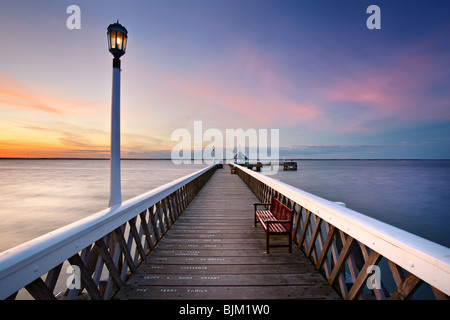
x=362 y=258
x=92 y=258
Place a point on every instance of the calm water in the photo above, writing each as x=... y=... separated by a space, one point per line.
x=38 y=196
x=413 y=195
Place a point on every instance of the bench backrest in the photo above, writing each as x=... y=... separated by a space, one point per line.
x=280 y=211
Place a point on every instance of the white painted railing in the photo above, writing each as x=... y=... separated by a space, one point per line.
x=343 y=244
x=102 y=249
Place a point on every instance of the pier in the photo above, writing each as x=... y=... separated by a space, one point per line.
x=213 y=251
x=194 y=238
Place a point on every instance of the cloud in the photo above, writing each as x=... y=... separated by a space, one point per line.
x=247 y=87
x=72 y=140
x=324 y=149
x=257 y=108
x=242 y=87
x=14 y=95
x=11 y=97
x=67 y=138
x=408 y=87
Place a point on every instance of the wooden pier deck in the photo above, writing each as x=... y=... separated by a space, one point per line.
x=213 y=251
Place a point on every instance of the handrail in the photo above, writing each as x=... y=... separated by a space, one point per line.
x=96 y=241
x=341 y=241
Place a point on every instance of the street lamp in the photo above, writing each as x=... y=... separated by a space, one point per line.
x=117 y=43
x=117 y=39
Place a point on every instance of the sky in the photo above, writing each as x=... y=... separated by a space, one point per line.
x=311 y=69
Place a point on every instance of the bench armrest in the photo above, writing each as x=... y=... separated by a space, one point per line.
x=261 y=204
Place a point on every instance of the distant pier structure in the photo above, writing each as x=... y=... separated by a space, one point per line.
x=242 y=160
x=289 y=165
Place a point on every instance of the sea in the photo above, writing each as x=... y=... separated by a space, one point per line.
x=41 y=195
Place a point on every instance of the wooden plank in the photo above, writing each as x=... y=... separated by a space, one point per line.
x=208 y=252
x=218 y=224
x=317 y=292
x=103 y=251
x=137 y=238
x=86 y=279
x=191 y=258
x=52 y=277
x=193 y=240
x=354 y=292
x=220 y=236
x=439 y=294
x=304 y=229
x=246 y=248
x=312 y=240
x=208 y=229
x=341 y=260
x=397 y=272
x=154 y=223
x=407 y=288
x=39 y=290
x=326 y=245
x=223 y=269
x=124 y=247
x=224 y=279
x=146 y=228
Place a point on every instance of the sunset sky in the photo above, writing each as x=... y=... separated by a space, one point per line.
x=310 y=68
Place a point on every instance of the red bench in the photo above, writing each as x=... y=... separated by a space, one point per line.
x=275 y=221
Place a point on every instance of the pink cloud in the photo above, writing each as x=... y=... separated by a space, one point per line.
x=15 y=94
x=258 y=107
x=11 y=93
x=399 y=89
x=242 y=88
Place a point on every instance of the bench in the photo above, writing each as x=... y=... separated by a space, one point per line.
x=275 y=221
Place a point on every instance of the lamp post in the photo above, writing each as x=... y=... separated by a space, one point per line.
x=117 y=42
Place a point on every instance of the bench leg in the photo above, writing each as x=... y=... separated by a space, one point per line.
x=267 y=242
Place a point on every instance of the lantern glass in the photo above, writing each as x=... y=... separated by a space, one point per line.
x=117 y=39
x=124 y=43
x=112 y=40
x=120 y=40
